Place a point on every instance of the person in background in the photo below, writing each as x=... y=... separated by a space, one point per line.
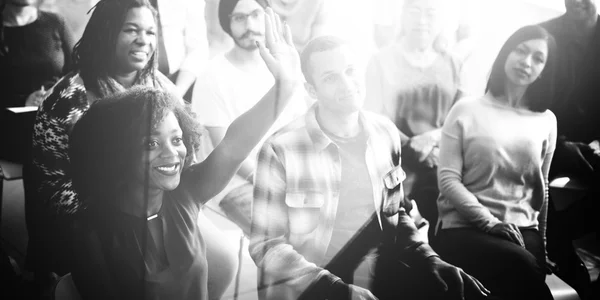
x=74 y=12
x=495 y=155
x=117 y=51
x=217 y=103
x=138 y=237
x=182 y=42
x=577 y=34
x=328 y=194
x=308 y=19
x=35 y=51
x=415 y=84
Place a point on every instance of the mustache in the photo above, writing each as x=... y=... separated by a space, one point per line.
x=250 y=33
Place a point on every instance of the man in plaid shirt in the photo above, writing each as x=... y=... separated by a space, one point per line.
x=328 y=195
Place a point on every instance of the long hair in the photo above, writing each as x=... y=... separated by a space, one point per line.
x=94 y=54
x=106 y=145
x=540 y=93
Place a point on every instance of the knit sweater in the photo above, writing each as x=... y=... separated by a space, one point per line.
x=494 y=163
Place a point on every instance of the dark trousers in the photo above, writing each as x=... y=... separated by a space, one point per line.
x=392 y=278
x=49 y=247
x=508 y=270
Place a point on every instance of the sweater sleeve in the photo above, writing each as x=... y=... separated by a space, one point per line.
x=450 y=171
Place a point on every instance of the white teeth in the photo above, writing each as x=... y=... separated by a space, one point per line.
x=167 y=169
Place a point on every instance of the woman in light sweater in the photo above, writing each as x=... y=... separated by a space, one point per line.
x=495 y=155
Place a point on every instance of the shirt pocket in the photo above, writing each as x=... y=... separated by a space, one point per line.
x=304 y=210
x=393 y=192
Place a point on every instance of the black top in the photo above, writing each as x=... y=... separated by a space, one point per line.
x=39 y=54
x=577 y=98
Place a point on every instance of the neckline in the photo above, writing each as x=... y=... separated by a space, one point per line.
x=491 y=100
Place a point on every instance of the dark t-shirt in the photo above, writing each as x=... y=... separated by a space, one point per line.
x=39 y=53
x=577 y=86
x=111 y=263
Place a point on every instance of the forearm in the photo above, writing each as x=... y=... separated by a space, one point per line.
x=248 y=129
x=452 y=187
x=465 y=202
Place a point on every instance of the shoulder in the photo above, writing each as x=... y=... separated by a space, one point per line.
x=553 y=26
x=50 y=19
x=383 y=126
x=468 y=104
x=295 y=130
x=379 y=121
x=550 y=117
x=66 y=95
x=386 y=54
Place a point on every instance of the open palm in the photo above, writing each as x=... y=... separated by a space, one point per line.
x=279 y=54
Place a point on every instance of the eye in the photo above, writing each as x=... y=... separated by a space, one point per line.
x=520 y=50
x=129 y=30
x=150 y=145
x=350 y=71
x=539 y=59
x=177 y=141
x=330 y=78
x=151 y=32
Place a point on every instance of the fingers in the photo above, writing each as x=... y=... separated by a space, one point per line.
x=440 y=282
x=516 y=233
x=270 y=38
x=279 y=27
x=288 y=35
x=265 y=54
x=473 y=283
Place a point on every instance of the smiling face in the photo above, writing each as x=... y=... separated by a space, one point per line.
x=337 y=84
x=136 y=41
x=165 y=153
x=526 y=62
x=247 y=24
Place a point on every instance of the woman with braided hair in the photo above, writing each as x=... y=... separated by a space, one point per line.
x=116 y=52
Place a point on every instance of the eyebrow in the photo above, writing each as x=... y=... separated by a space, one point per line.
x=327 y=73
x=155 y=133
x=137 y=26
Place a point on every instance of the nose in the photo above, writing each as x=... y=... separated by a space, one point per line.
x=168 y=150
x=347 y=84
x=526 y=61
x=252 y=24
x=144 y=38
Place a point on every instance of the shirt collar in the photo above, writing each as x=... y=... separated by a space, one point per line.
x=319 y=138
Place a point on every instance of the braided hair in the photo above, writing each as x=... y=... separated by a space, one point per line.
x=94 y=54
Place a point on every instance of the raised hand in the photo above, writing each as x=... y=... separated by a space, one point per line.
x=279 y=54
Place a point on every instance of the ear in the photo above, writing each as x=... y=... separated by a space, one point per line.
x=310 y=89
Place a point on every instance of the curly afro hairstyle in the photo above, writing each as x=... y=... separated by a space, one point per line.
x=107 y=142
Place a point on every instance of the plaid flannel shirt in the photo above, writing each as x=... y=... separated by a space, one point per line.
x=296 y=194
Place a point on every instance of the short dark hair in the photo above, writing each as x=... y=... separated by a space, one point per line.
x=226 y=7
x=107 y=142
x=540 y=93
x=318 y=44
x=94 y=54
